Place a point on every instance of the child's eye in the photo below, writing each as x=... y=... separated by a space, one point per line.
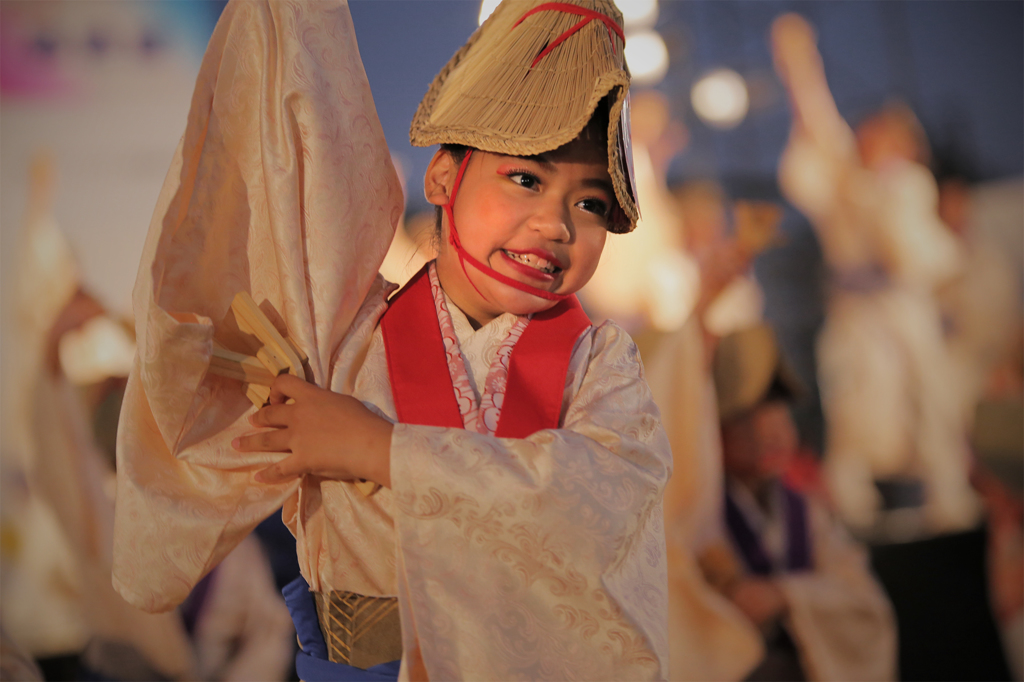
x=524 y=179
x=595 y=206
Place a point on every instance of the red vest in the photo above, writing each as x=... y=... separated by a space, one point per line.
x=422 y=385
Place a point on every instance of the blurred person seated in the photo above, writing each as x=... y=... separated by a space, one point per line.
x=785 y=562
x=1004 y=513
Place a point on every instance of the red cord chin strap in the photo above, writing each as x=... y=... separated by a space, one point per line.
x=453 y=239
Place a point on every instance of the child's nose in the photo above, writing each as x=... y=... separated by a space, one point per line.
x=552 y=222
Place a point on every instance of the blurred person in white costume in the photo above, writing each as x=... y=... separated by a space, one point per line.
x=888 y=388
x=76 y=355
x=66 y=523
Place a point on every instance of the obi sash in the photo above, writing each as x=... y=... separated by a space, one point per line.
x=752 y=551
x=866 y=279
x=421 y=383
x=311 y=661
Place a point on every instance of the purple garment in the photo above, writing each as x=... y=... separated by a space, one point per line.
x=798 y=540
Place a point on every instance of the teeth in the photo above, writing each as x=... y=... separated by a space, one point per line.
x=533 y=261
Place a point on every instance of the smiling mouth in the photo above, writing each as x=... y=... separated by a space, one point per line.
x=533 y=261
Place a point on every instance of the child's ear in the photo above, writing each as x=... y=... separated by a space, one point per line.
x=439 y=179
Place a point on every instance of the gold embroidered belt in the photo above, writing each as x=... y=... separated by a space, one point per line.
x=360 y=631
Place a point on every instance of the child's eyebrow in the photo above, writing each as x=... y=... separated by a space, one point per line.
x=600 y=183
x=541 y=158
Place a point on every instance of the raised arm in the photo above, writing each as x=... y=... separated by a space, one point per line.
x=282 y=186
x=799 y=66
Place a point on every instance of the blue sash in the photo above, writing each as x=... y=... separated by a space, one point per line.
x=312 y=663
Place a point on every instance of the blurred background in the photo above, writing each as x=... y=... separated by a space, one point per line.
x=94 y=96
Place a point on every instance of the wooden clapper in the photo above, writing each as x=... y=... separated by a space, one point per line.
x=277 y=355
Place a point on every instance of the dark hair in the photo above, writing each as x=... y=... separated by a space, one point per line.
x=458 y=152
x=778 y=391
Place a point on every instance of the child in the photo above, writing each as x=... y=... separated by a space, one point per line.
x=800 y=578
x=518 y=532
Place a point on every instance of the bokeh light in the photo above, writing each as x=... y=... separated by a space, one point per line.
x=637 y=14
x=647 y=57
x=720 y=98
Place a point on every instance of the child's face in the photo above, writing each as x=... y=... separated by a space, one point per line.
x=759 y=445
x=539 y=220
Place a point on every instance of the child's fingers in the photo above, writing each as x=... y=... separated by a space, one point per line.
x=267 y=441
x=282 y=472
x=271 y=415
x=286 y=386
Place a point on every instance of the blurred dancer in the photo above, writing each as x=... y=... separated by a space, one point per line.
x=888 y=392
x=982 y=315
x=76 y=359
x=239 y=625
x=68 y=504
x=668 y=291
x=730 y=296
x=647 y=281
x=413 y=245
x=15 y=664
x=794 y=571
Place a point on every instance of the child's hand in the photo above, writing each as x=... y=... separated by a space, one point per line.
x=759 y=598
x=329 y=434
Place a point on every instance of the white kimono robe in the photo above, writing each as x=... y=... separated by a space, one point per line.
x=527 y=558
x=512 y=558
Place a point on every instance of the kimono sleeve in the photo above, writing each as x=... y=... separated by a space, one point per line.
x=282 y=186
x=543 y=557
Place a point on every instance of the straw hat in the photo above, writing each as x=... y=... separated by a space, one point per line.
x=529 y=80
x=747 y=365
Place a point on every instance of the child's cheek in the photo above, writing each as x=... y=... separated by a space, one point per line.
x=497 y=218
